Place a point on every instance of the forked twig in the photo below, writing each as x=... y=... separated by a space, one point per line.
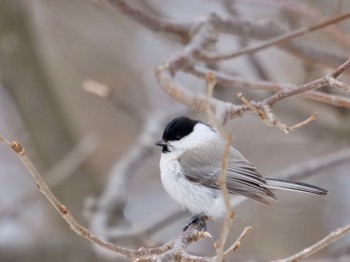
x=237 y=243
x=265 y=113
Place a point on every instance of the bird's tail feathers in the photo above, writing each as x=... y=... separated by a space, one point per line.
x=295 y=186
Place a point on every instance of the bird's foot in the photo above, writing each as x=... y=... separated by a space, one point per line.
x=198 y=221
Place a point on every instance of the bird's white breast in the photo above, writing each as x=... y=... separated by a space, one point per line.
x=195 y=197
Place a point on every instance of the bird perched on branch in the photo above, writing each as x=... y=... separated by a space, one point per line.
x=190 y=165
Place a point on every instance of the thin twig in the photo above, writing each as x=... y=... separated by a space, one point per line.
x=332 y=237
x=250 y=29
x=67 y=216
x=241 y=83
x=309 y=10
x=265 y=113
x=274 y=41
x=237 y=243
x=264 y=108
x=318 y=83
x=56 y=175
x=220 y=244
x=152 y=23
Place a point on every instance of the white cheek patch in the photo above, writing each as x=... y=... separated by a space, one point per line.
x=200 y=135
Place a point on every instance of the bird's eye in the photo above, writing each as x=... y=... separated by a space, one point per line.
x=177 y=137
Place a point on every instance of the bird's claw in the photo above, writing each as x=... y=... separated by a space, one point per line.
x=198 y=221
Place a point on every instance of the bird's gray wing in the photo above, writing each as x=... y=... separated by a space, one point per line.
x=203 y=165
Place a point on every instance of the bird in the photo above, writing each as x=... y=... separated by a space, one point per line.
x=190 y=168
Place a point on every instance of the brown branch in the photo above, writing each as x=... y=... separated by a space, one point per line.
x=56 y=175
x=332 y=237
x=239 y=82
x=173 y=249
x=259 y=69
x=237 y=243
x=264 y=108
x=309 y=10
x=265 y=113
x=230 y=214
x=318 y=83
x=152 y=23
x=178 y=253
x=62 y=209
x=249 y=29
x=278 y=40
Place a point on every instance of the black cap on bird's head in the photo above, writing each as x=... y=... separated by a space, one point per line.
x=176 y=129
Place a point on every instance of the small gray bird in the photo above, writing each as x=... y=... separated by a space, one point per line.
x=190 y=165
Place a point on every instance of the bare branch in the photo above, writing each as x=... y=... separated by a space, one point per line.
x=265 y=113
x=230 y=214
x=239 y=82
x=62 y=209
x=278 y=40
x=318 y=83
x=237 y=243
x=264 y=108
x=56 y=175
x=332 y=237
x=152 y=23
x=310 y=10
x=271 y=119
x=263 y=31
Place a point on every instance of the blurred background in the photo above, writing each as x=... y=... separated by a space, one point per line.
x=52 y=52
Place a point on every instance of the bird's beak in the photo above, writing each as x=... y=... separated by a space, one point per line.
x=161 y=143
